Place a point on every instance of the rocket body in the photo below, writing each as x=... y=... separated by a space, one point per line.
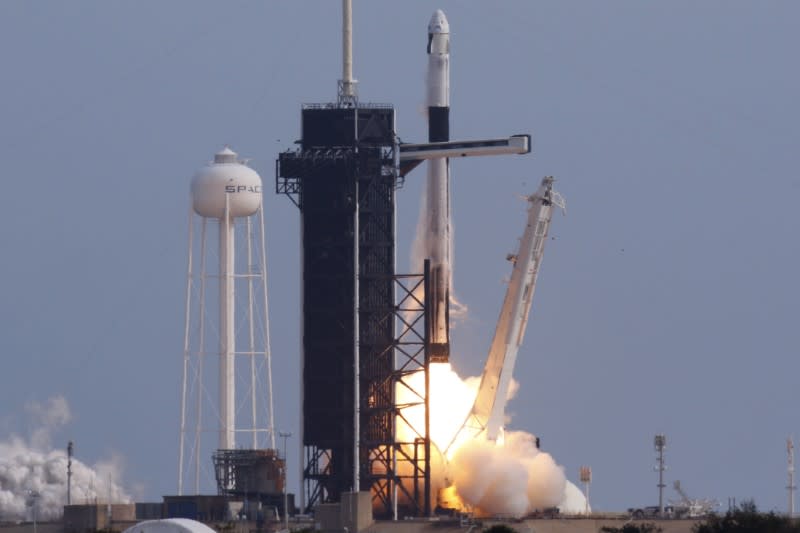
x=438 y=187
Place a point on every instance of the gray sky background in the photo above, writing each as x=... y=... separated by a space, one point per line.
x=667 y=301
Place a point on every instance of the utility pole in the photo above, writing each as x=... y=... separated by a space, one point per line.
x=285 y=435
x=791 y=487
x=660 y=443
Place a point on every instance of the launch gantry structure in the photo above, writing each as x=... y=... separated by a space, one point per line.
x=359 y=341
x=488 y=412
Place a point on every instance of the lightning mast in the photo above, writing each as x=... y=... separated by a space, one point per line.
x=347 y=94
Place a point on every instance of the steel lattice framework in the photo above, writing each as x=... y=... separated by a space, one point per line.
x=343 y=178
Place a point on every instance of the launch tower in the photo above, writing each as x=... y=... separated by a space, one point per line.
x=343 y=179
x=359 y=344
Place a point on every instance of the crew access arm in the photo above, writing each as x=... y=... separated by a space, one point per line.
x=488 y=411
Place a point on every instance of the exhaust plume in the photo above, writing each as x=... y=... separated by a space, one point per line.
x=31 y=467
x=512 y=478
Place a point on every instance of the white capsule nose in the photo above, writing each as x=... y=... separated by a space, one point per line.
x=438 y=24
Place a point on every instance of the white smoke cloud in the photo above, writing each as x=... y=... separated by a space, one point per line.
x=46 y=418
x=419 y=246
x=29 y=467
x=420 y=250
x=574 y=501
x=459 y=311
x=511 y=478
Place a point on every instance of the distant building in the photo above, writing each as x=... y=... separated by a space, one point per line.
x=96 y=516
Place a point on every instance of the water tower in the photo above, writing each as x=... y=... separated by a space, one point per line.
x=227 y=326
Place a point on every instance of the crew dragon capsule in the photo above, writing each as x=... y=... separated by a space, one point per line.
x=438 y=186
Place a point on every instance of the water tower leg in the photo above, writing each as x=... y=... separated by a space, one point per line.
x=227 y=332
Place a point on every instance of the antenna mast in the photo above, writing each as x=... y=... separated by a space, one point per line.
x=70 y=449
x=660 y=443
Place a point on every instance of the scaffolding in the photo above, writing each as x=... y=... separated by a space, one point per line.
x=343 y=178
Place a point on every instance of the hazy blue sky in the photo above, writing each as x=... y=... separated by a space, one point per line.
x=668 y=299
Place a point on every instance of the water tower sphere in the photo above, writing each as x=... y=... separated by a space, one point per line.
x=226 y=179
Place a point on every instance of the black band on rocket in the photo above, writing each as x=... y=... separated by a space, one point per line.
x=438 y=124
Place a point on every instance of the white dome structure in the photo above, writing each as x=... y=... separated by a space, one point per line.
x=574 y=501
x=226 y=180
x=170 y=525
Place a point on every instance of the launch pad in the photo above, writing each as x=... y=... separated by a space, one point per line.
x=360 y=346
